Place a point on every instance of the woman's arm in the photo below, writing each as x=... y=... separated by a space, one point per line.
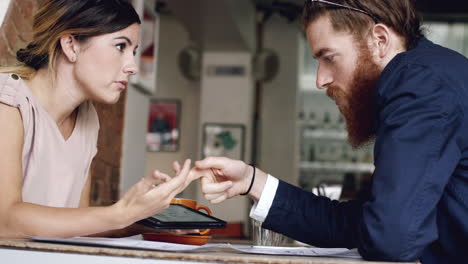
x=131 y=230
x=21 y=219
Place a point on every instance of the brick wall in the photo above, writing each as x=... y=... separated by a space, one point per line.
x=16 y=33
x=16 y=30
x=107 y=166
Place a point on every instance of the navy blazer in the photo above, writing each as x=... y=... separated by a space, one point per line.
x=418 y=205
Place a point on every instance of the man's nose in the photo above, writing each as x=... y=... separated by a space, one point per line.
x=324 y=78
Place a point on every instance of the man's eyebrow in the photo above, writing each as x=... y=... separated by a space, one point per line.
x=321 y=52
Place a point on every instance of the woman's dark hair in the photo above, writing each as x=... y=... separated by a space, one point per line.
x=81 y=18
x=400 y=15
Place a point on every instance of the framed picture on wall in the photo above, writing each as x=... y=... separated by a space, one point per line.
x=163 y=125
x=225 y=140
x=145 y=80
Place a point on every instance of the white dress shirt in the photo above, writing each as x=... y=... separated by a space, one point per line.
x=261 y=208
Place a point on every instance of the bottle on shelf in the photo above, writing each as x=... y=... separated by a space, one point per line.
x=312 y=121
x=341 y=122
x=311 y=153
x=326 y=120
x=301 y=115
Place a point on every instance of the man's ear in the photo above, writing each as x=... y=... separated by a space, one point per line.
x=70 y=47
x=381 y=39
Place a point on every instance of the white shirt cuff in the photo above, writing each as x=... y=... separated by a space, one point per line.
x=261 y=208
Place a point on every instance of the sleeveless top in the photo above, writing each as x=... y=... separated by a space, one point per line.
x=55 y=170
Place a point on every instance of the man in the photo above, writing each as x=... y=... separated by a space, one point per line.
x=391 y=84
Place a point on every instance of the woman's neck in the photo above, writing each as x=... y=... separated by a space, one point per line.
x=56 y=95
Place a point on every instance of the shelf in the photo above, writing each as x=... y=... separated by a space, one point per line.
x=337 y=166
x=145 y=80
x=300 y=122
x=325 y=134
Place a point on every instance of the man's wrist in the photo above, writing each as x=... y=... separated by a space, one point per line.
x=252 y=179
x=258 y=185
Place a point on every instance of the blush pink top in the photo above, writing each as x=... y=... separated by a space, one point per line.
x=55 y=170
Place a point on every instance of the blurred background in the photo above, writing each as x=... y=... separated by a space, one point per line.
x=228 y=78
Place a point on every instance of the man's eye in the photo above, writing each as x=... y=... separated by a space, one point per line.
x=328 y=59
x=121 y=46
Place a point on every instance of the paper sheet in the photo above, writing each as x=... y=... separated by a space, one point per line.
x=126 y=243
x=152 y=245
x=299 y=251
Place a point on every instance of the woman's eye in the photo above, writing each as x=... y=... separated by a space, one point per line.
x=121 y=46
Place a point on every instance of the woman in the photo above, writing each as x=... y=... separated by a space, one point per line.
x=81 y=51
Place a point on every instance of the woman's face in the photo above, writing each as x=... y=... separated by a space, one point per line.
x=104 y=63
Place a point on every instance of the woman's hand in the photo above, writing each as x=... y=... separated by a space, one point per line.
x=153 y=193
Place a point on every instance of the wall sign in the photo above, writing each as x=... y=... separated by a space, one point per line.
x=226 y=70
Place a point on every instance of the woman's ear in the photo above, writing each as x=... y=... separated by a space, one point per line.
x=70 y=47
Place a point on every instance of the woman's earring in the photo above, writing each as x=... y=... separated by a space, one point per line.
x=73 y=59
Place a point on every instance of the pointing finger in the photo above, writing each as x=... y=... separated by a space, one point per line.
x=176 y=167
x=198 y=173
x=177 y=183
x=161 y=176
x=211 y=162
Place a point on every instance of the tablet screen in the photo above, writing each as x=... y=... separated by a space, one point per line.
x=176 y=213
x=180 y=217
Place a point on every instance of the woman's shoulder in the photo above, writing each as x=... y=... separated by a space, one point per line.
x=12 y=90
x=14 y=93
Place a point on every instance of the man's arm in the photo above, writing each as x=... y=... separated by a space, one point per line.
x=415 y=154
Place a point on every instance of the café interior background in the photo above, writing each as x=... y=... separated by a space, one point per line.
x=241 y=64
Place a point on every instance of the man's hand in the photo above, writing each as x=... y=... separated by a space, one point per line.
x=224 y=178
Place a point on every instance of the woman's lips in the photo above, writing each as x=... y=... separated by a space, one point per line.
x=122 y=84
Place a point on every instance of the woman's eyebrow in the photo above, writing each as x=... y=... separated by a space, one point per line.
x=125 y=38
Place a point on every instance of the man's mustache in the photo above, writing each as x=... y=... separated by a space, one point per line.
x=334 y=92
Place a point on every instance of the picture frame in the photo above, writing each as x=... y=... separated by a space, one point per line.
x=163 y=134
x=147 y=52
x=222 y=139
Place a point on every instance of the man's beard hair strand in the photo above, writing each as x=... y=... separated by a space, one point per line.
x=359 y=115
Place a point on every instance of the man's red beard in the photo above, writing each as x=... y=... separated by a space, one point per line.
x=359 y=108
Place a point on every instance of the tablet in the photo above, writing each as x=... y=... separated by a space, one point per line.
x=178 y=216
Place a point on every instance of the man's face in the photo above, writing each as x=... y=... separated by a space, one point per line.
x=348 y=72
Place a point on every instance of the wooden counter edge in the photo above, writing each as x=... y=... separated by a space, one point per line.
x=219 y=256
